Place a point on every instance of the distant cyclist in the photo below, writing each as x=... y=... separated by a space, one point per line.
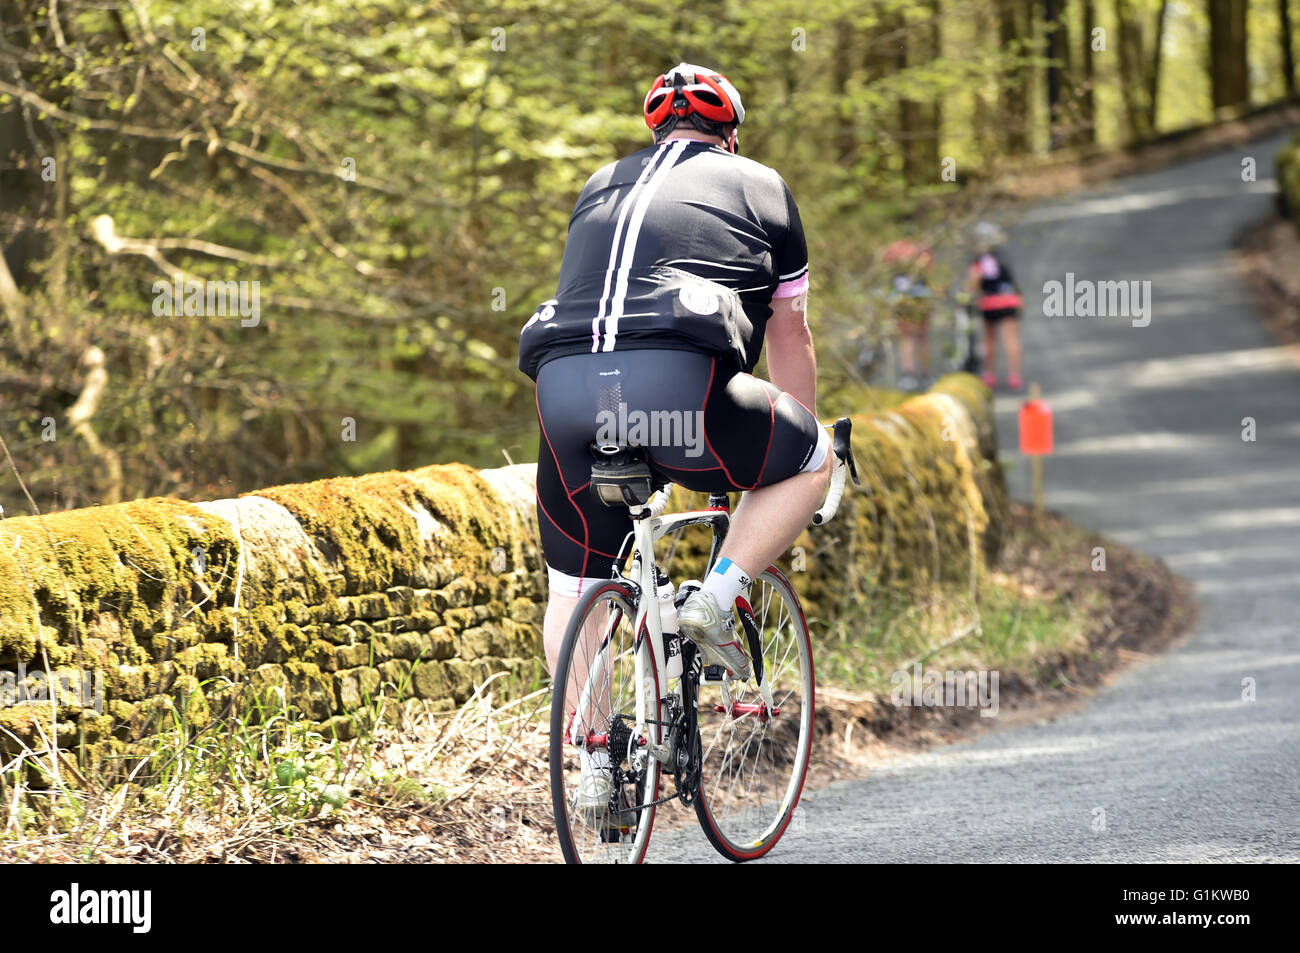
x=998 y=298
x=681 y=259
x=908 y=265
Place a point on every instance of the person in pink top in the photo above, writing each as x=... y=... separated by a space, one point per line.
x=998 y=298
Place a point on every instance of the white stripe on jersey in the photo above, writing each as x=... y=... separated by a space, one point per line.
x=629 y=246
x=618 y=234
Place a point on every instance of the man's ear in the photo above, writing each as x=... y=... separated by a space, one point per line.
x=733 y=144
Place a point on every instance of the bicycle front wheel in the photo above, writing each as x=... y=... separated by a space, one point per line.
x=756 y=739
x=594 y=718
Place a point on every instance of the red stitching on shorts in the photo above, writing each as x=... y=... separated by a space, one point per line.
x=771 y=431
x=586 y=531
x=585 y=547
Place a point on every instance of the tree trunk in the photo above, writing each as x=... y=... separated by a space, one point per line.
x=1012 y=103
x=1153 y=73
x=1054 y=28
x=1288 y=50
x=1229 y=87
x=1131 y=73
x=846 y=134
x=880 y=61
x=920 y=118
x=984 y=120
x=1087 y=102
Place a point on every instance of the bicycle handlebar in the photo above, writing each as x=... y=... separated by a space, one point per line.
x=827 y=512
x=844 y=466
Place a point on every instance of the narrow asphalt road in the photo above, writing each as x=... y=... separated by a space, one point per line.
x=1150 y=450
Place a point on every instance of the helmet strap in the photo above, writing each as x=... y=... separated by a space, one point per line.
x=662 y=130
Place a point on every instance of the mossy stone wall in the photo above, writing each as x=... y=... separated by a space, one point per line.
x=427 y=581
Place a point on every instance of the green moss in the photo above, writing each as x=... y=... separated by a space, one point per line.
x=132 y=560
x=367 y=524
x=311 y=691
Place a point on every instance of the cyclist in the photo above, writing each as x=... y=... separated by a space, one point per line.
x=681 y=259
x=1000 y=302
x=908 y=265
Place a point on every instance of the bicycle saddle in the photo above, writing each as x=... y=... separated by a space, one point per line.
x=620 y=475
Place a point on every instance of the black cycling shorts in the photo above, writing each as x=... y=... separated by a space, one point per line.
x=705 y=428
x=1000 y=314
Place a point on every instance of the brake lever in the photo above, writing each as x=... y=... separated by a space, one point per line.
x=843 y=448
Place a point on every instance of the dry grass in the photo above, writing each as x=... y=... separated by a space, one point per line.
x=418 y=786
x=1267 y=255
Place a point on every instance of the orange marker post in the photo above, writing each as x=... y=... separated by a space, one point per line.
x=1036 y=442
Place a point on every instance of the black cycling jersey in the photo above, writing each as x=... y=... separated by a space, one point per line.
x=994 y=274
x=679 y=246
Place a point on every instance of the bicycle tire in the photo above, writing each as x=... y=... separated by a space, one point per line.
x=581 y=841
x=745 y=806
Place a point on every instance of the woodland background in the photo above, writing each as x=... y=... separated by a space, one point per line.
x=398 y=176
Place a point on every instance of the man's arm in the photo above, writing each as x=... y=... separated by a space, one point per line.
x=790 y=359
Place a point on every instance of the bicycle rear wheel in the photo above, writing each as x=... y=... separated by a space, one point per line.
x=597 y=674
x=756 y=752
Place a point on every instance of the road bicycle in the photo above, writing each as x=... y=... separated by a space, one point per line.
x=964 y=343
x=630 y=689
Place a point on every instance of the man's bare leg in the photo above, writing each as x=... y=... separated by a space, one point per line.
x=559 y=609
x=769 y=519
x=907 y=352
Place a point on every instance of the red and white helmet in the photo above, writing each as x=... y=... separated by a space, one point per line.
x=694 y=91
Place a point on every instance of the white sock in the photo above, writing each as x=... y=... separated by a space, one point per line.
x=725 y=583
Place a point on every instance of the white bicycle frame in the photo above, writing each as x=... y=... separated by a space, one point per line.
x=650 y=525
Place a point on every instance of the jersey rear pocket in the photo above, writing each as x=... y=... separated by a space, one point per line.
x=651 y=306
x=665 y=303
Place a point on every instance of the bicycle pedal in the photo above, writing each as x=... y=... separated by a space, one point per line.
x=713 y=674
